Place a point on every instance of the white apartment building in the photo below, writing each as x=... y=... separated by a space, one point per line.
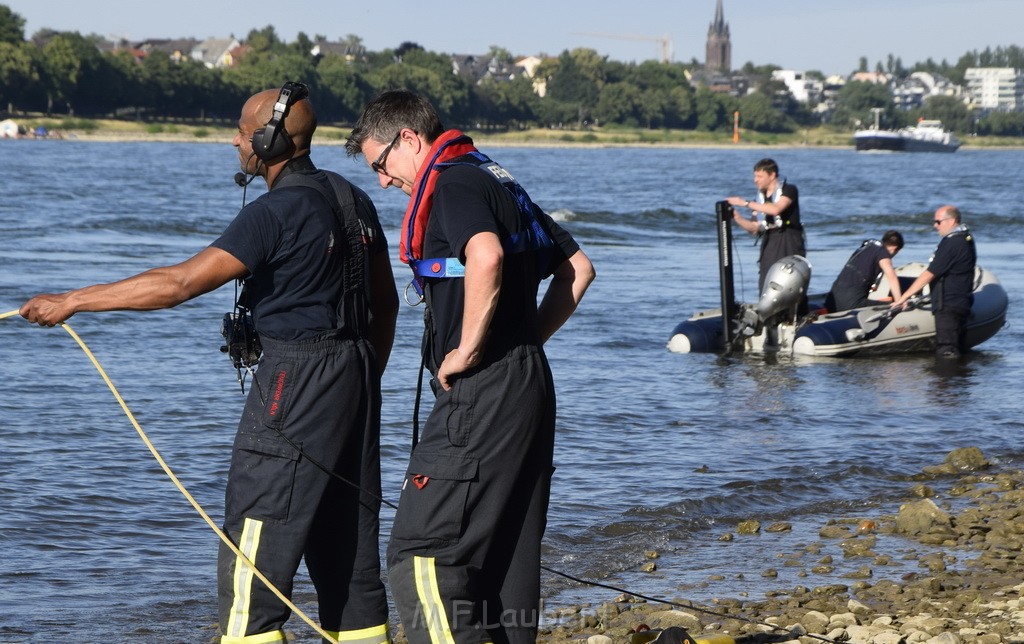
x=998 y=89
x=919 y=86
x=803 y=89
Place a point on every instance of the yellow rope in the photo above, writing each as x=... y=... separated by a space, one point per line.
x=220 y=533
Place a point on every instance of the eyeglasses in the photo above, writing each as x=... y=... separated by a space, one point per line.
x=939 y=221
x=378 y=165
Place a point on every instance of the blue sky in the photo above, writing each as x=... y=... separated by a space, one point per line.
x=827 y=35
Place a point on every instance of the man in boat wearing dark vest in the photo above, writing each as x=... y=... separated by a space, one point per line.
x=852 y=286
x=774 y=219
x=464 y=555
x=304 y=481
x=951 y=274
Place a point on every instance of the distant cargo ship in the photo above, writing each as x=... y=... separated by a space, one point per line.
x=926 y=136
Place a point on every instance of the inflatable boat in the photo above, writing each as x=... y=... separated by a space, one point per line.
x=772 y=324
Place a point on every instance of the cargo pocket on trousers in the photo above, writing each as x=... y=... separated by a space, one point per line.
x=460 y=411
x=434 y=496
x=263 y=477
x=278 y=402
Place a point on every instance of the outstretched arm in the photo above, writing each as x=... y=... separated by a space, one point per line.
x=568 y=284
x=922 y=280
x=748 y=224
x=158 y=288
x=890 y=274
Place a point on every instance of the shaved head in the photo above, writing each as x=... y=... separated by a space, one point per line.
x=299 y=120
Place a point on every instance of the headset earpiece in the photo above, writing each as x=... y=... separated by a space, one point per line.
x=272 y=140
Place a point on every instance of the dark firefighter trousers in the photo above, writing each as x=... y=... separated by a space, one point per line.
x=315 y=400
x=464 y=555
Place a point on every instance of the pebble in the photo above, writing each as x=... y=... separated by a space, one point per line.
x=967 y=590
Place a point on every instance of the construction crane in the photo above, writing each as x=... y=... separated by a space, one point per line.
x=664 y=41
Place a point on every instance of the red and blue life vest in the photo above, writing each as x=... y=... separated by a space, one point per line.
x=450 y=149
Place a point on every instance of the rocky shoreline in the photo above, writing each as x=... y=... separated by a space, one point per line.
x=967 y=587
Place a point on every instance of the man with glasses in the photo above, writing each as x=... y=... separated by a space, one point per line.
x=464 y=555
x=952 y=271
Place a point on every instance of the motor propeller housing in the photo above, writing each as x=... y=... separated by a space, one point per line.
x=784 y=284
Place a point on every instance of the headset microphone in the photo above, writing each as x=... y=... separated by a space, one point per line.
x=242 y=178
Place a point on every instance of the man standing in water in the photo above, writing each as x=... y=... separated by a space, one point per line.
x=464 y=556
x=778 y=228
x=305 y=470
x=952 y=271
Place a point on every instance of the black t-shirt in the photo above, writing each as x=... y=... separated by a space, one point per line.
x=863 y=267
x=468 y=201
x=791 y=215
x=291 y=242
x=953 y=267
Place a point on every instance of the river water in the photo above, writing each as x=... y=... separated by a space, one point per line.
x=655 y=450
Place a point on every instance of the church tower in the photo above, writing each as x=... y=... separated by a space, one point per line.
x=719 y=49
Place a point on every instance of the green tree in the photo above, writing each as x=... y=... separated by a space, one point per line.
x=259 y=71
x=617 y=103
x=60 y=66
x=444 y=90
x=12 y=26
x=264 y=40
x=711 y=111
x=18 y=71
x=654 y=108
x=302 y=46
x=758 y=112
x=577 y=80
x=511 y=103
x=681 y=111
x=452 y=96
x=857 y=98
x=652 y=74
x=354 y=44
x=958 y=71
x=1002 y=124
x=99 y=88
x=501 y=55
x=345 y=85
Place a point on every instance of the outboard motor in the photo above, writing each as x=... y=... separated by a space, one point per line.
x=784 y=286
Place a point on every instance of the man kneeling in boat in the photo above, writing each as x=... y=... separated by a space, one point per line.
x=851 y=288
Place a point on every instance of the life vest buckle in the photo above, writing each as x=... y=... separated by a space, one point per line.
x=415 y=285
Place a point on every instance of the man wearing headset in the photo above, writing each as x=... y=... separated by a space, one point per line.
x=305 y=470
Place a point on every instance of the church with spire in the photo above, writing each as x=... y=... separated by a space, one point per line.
x=718 y=54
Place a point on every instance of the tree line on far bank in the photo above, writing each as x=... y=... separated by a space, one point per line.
x=61 y=73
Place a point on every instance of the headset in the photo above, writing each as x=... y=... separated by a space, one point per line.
x=272 y=140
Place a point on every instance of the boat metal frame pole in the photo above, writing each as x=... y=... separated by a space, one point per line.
x=730 y=308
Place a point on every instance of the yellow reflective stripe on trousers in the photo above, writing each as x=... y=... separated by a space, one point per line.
x=430 y=601
x=371 y=635
x=238 y=620
x=273 y=637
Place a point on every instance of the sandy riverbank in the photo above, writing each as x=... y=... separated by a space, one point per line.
x=967 y=544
